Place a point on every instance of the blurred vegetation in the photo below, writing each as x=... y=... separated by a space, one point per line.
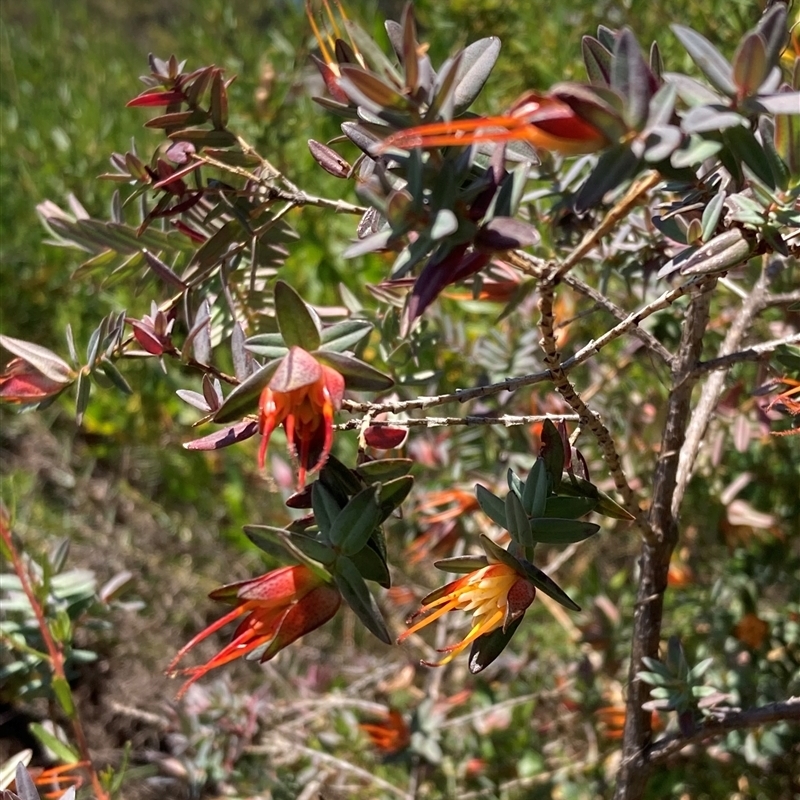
x=66 y=71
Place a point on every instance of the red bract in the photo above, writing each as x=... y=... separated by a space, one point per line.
x=302 y=396
x=280 y=607
x=21 y=382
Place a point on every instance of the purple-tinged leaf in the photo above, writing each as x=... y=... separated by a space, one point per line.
x=199 y=337
x=597 y=60
x=226 y=437
x=615 y=166
x=364 y=89
x=710 y=61
x=750 y=65
x=212 y=392
x=329 y=159
x=631 y=77
x=772 y=27
x=781 y=103
x=219 y=102
x=506 y=233
x=201 y=137
x=298 y=324
x=194 y=399
x=46 y=361
x=163 y=271
x=703 y=119
x=242 y=360
x=661 y=142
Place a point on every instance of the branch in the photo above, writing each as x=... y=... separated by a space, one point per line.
x=588 y=418
x=511 y=384
x=643 y=336
x=716 y=726
x=621 y=210
x=754 y=353
x=506 y=420
x=712 y=391
x=658 y=544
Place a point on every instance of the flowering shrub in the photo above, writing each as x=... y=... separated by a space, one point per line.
x=679 y=221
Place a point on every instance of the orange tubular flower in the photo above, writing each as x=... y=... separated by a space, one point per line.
x=302 y=396
x=496 y=595
x=545 y=121
x=390 y=735
x=21 y=382
x=280 y=607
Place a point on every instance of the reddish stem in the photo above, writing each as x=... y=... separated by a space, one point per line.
x=54 y=651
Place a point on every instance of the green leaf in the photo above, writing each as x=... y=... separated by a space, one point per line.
x=561 y=531
x=344 y=335
x=356 y=594
x=384 y=469
x=712 y=214
x=615 y=166
x=491 y=505
x=267 y=345
x=497 y=555
x=392 y=495
x=569 y=507
x=476 y=63
x=358 y=375
x=548 y=586
x=298 y=325
x=64 y=696
x=534 y=495
x=485 y=649
x=62 y=751
x=315 y=549
x=244 y=398
x=278 y=542
x=115 y=376
x=372 y=566
x=355 y=522
x=514 y=483
x=747 y=149
x=461 y=564
x=552 y=452
x=326 y=509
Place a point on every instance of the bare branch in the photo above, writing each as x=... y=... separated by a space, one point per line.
x=712 y=391
x=506 y=420
x=715 y=726
x=754 y=353
x=588 y=418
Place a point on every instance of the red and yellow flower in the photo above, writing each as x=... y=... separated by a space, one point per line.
x=496 y=595
x=278 y=608
x=302 y=396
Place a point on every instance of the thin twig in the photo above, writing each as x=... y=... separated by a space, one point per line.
x=317 y=757
x=645 y=337
x=507 y=420
x=621 y=210
x=588 y=418
x=511 y=384
x=754 y=353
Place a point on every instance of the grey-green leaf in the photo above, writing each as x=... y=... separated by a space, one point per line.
x=356 y=594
